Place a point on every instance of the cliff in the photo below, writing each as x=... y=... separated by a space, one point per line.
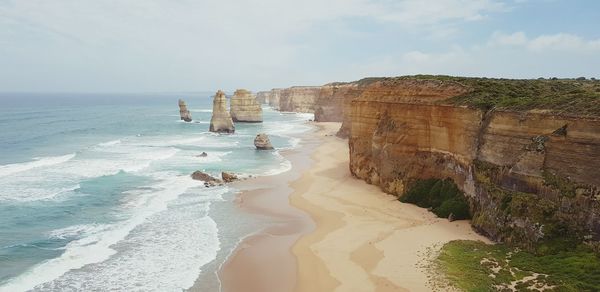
x=333 y=100
x=527 y=164
x=245 y=108
x=184 y=113
x=298 y=99
x=262 y=97
x=221 y=121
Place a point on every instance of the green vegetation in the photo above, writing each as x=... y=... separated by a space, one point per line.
x=564 y=185
x=476 y=266
x=561 y=96
x=442 y=196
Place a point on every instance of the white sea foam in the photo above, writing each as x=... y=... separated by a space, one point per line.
x=110 y=143
x=46 y=182
x=77 y=231
x=10 y=169
x=97 y=246
x=202 y=110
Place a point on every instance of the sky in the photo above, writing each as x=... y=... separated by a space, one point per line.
x=205 y=45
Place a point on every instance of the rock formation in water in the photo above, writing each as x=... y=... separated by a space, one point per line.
x=184 y=113
x=228 y=177
x=221 y=121
x=262 y=142
x=245 y=108
x=209 y=181
x=528 y=175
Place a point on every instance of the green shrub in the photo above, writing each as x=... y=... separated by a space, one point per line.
x=442 y=196
x=469 y=265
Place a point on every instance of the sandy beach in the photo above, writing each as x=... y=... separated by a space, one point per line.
x=357 y=238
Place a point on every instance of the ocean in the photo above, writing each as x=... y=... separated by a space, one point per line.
x=96 y=193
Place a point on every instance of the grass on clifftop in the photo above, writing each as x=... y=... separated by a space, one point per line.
x=442 y=196
x=476 y=266
x=561 y=96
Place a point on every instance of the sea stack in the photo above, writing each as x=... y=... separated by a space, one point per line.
x=221 y=119
x=262 y=142
x=184 y=113
x=244 y=107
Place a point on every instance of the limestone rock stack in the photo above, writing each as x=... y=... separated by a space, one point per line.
x=184 y=113
x=245 y=108
x=221 y=121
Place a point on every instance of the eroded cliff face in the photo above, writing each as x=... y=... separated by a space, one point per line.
x=333 y=101
x=298 y=99
x=245 y=108
x=528 y=176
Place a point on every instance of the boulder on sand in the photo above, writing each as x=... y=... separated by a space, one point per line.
x=262 y=142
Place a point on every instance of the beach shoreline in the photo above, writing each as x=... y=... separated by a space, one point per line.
x=332 y=231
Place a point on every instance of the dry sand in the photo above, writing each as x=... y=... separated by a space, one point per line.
x=365 y=240
x=357 y=238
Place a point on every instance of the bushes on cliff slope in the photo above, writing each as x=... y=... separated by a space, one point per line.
x=560 y=96
x=442 y=196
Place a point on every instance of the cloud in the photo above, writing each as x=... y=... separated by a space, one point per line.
x=549 y=42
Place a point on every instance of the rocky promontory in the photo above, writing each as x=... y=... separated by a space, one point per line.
x=245 y=108
x=221 y=121
x=527 y=170
x=184 y=113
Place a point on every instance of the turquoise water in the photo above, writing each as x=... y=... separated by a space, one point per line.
x=95 y=192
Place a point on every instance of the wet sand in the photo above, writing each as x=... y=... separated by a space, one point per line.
x=356 y=238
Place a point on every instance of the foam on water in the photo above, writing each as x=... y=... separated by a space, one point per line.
x=97 y=246
x=10 y=169
x=154 y=233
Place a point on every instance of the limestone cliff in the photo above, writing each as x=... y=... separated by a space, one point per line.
x=529 y=175
x=270 y=97
x=298 y=99
x=221 y=121
x=244 y=108
x=262 y=97
x=333 y=100
x=184 y=113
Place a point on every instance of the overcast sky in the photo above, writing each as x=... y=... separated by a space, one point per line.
x=185 y=45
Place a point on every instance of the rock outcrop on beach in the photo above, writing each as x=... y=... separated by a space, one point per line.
x=245 y=108
x=528 y=175
x=221 y=121
x=184 y=113
x=262 y=142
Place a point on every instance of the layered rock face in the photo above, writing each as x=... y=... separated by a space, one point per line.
x=184 y=113
x=245 y=108
x=221 y=121
x=270 y=97
x=298 y=99
x=333 y=100
x=528 y=176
